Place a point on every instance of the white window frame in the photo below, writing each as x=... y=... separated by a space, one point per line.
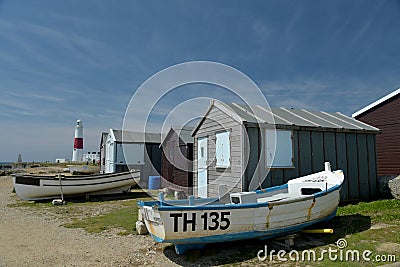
x=222 y=154
x=283 y=157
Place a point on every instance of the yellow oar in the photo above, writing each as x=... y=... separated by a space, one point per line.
x=318 y=231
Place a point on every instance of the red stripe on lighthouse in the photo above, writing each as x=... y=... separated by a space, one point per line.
x=78 y=143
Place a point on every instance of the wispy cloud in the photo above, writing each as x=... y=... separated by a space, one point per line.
x=36 y=96
x=61 y=62
x=326 y=93
x=361 y=32
x=294 y=88
x=261 y=31
x=37 y=41
x=289 y=29
x=11 y=106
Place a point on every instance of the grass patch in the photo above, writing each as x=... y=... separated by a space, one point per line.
x=386 y=210
x=373 y=226
x=61 y=165
x=365 y=226
x=120 y=218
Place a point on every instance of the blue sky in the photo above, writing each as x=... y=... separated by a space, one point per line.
x=67 y=60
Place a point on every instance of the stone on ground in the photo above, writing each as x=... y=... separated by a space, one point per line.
x=141 y=228
x=383 y=185
x=180 y=195
x=394 y=186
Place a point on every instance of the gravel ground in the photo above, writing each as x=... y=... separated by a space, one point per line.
x=36 y=238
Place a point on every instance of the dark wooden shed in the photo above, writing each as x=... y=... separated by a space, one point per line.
x=177 y=157
x=229 y=150
x=385 y=115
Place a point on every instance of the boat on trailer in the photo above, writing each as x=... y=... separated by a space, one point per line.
x=34 y=187
x=263 y=214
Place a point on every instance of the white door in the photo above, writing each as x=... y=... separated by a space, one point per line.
x=222 y=150
x=202 y=167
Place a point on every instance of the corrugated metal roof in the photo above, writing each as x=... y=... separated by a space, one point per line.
x=293 y=118
x=184 y=132
x=242 y=112
x=297 y=117
x=136 y=137
x=377 y=102
x=315 y=118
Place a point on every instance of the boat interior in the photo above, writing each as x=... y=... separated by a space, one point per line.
x=294 y=190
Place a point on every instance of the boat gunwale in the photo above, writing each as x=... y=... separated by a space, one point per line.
x=77 y=177
x=88 y=184
x=170 y=207
x=271 y=189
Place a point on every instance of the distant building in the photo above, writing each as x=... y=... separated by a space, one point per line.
x=19 y=158
x=91 y=156
x=62 y=160
x=384 y=114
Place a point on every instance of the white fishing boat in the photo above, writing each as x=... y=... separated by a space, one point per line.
x=267 y=213
x=30 y=187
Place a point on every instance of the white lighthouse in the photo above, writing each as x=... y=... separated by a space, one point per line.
x=78 y=142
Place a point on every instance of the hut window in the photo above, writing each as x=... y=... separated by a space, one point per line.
x=223 y=150
x=284 y=148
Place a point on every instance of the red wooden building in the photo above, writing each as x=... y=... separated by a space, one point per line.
x=177 y=157
x=385 y=115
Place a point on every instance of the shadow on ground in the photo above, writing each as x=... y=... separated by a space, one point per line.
x=101 y=198
x=246 y=250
